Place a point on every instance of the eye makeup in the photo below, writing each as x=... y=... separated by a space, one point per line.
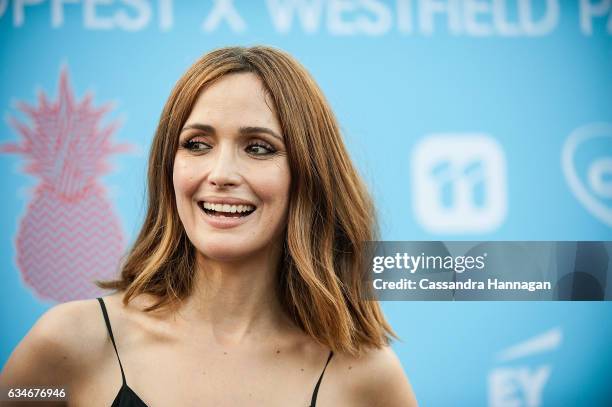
x=254 y=147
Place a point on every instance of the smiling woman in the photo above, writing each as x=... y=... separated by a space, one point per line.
x=231 y=173
x=244 y=286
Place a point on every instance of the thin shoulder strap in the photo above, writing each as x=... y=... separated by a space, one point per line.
x=110 y=333
x=313 y=402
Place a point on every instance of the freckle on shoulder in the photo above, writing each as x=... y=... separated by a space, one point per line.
x=369 y=358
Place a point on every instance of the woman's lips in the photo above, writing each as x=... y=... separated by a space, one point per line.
x=221 y=221
x=226 y=209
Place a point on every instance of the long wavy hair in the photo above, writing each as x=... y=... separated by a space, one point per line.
x=320 y=275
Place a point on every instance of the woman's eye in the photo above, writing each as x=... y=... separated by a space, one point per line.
x=196 y=145
x=260 y=149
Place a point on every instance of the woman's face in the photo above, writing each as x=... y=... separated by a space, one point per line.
x=231 y=176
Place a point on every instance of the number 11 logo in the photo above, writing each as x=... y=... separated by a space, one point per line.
x=459 y=183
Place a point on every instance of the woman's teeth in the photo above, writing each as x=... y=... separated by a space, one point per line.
x=227 y=210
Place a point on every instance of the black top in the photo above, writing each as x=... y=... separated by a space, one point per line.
x=126 y=397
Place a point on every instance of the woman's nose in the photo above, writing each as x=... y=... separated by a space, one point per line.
x=224 y=168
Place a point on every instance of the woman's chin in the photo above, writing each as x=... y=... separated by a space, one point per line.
x=223 y=253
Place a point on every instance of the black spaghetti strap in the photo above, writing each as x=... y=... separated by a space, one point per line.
x=110 y=333
x=313 y=402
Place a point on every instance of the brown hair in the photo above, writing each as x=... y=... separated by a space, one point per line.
x=330 y=215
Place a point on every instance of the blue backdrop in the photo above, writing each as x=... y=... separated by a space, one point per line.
x=469 y=119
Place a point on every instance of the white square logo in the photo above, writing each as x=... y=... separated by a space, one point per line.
x=459 y=183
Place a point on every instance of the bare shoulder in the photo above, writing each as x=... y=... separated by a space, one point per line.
x=375 y=378
x=60 y=347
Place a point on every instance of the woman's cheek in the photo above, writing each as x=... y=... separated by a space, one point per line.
x=185 y=176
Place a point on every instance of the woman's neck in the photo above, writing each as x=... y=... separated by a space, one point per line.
x=236 y=301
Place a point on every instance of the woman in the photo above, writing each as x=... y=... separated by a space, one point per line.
x=244 y=286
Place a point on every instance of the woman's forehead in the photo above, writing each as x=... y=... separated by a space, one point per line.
x=236 y=99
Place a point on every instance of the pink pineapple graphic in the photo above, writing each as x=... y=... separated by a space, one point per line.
x=69 y=235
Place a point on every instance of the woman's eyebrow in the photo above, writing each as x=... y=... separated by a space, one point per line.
x=247 y=130
x=255 y=129
x=203 y=127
